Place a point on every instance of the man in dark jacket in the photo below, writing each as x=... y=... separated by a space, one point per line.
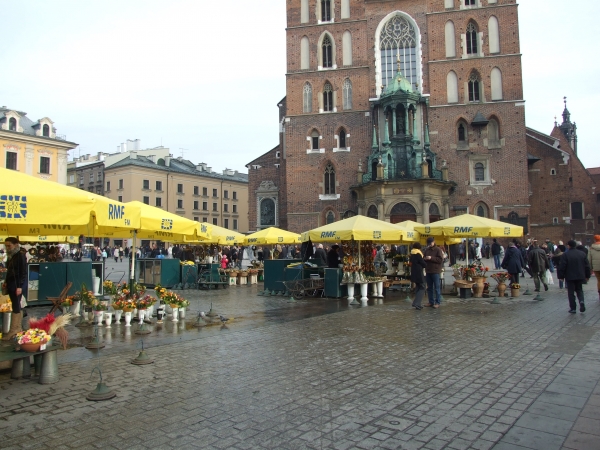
x=496 y=254
x=434 y=260
x=538 y=264
x=16 y=275
x=417 y=264
x=513 y=262
x=575 y=268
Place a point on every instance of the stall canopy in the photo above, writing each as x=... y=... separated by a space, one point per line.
x=360 y=228
x=470 y=226
x=220 y=235
x=45 y=239
x=410 y=224
x=271 y=236
x=31 y=206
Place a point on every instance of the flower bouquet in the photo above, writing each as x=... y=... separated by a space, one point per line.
x=172 y=299
x=515 y=286
x=145 y=302
x=183 y=303
x=110 y=288
x=51 y=326
x=85 y=296
x=123 y=303
x=32 y=339
x=68 y=302
x=501 y=277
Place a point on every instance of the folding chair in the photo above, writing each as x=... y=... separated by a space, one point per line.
x=57 y=301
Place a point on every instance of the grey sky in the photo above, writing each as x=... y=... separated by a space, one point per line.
x=206 y=76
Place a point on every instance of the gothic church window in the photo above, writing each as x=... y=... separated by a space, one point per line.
x=330 y=217
x=347 y=48
x=493 y=35
x=474 y=87
x=347 y=91
x=471 y=39
x=326 y=52
x=398 y=39
x=450 y=39
x=267 y=212
x=452 y=87
x=493 y=133
x=342 y=138
x=462 y=133
x=481 y=210
x=304 y=11
x=314 y=140
x=496 y=84
x=479 y=172
x=327 y=97
x=307 y=98
x=326 y=10
x=304 y=53
x=345 y=9
x=329 y=180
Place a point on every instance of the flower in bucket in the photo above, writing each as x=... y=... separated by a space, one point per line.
x=123 y=303
x=172 y=299
x=68 y=301
x=160 y=291
x=145 y=302
x=183 y=303
x=32 y=336
x=110 y=288
x=515 y=286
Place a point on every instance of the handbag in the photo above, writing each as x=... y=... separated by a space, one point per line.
x=549 y=279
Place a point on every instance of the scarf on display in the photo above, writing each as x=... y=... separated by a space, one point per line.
x=416 y=251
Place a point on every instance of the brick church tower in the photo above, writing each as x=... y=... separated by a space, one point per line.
x=449 y=138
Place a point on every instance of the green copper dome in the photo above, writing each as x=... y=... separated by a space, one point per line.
x=398 y=84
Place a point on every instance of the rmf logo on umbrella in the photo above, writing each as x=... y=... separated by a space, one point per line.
x=166 y=224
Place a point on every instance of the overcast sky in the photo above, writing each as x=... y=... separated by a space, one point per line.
x=204 y=77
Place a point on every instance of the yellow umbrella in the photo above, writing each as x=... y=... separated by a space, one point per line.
x=360 y=228
x=410 y=224
x=222 y=236
x=42 y=239
x=468 y=225
x=272 y=235
x=31 y=206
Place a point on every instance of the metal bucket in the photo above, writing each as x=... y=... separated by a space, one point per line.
x=6 y=322
x=49 y=369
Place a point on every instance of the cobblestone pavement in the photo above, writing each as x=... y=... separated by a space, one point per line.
x=319 y=374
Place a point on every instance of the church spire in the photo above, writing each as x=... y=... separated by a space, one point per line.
x=375 y=145
x=566 y=114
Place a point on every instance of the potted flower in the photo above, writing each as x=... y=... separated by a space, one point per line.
x=501 y=278
x=515 y=290
x=173 y=300
x=32 y=339
x=67 y=303
x=183 y=304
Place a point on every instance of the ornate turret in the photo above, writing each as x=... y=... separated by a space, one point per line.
x=569 y=129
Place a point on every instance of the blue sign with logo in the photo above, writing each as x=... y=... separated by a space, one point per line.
x=13 y=206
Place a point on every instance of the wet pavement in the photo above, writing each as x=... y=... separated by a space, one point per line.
x=319 y=373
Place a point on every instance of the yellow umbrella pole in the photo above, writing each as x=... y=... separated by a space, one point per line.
x=132 y=267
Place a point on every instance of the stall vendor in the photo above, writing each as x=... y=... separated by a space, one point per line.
x=16 y=275
x=333 y=257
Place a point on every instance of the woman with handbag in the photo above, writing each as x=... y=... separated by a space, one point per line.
x=417 y=264
x=16 y=275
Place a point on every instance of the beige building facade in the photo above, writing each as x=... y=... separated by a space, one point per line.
x=193 y=191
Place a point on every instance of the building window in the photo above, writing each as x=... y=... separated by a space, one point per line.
x=576 y=210
x=215 y=221
x=11 y=160
x=91 y=177
x=205 y=191
x=99 y=178
x=307 y=98
x=330 y=217
x=314 y=138
x=121 y=184
x=226 y=223
x=196 y=205
x=91 y=189
x=372 y=212
x=481 y=210
x=108 y=186
x=496 y=84
x=493 y=133
x=326 y=10
x=434 y=213
x=71 y=178
x=204 y=206
x=493 y=35
x=452 y=87
x=479 y=172
x=225 y=194
x=158 y=202
x=146 y=184
x=235 y=226
x=470 y=2
x=326 y=50
x=553 y=172
x=215 y=207
x=347 y=49
x=215 y=193
x=555 y=220
x=462 y=133
x=120 y=198
x=474 y=86
x=44 y=165
x=196 y=190
x=99 y=190
x=398 y=40
x=267 y=212
x=327 y=97
x=225 y=207
x=179 y=204
x=12 y=124
x=46 y=130
x=159 y=185
x=450 y=38
x=471 y=39
x=347 y=91
x=146 y=200
x=81 y=180
x=342 y=142
x=205 y=219
x=180 y=188
x=196 y=219
x=329 y=180
x=234 y=209
x=234 y=193
x=304 y=53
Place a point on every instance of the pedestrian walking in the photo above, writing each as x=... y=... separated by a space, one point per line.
x=461 y=251
x=104 y=256
x=594 y=258
x=16 y=277
x=434 y=261
x=417 y=264
x=496 y=254
x=556 y=261
x=574 y=267
x=513 y=262
x=116 y=254
x=538 y=263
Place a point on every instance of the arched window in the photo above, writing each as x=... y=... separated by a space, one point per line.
x=372 y=212
x=330 y=217
x=267 y=212
x=327 y=97
x=12 y=124
x=329 y=180
x=342 y=137
x=403 y=211
x=474 y=87
x=46 y=130
x=347 y=49
x=304 y=11
x=493 y=35
x=345 y=9
x=314 y=140
x=307 y=98
x=450 y=39
x=398 y=39
x=400 y=120
x=326 y=10
x=462 y=133
x=327 y=53
x=552 y=171
x=434 y=213
x=471 y=38
x=347 y=90
x=452 y=87
x=493 y=133
x=496 y=84
x=304 y=53
x=480 y=210
x=479 y=172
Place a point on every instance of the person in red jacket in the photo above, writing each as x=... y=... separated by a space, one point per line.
x=434 y=260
